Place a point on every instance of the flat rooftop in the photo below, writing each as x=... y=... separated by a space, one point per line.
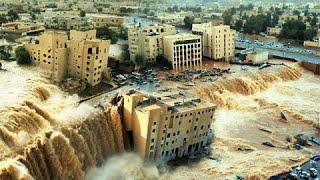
x=176 y=101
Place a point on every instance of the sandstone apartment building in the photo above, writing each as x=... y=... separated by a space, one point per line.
x=83 y=56
x=184 y=51
x=167 y=125
x=147 y=41
x=218 y=42
x=100 y=20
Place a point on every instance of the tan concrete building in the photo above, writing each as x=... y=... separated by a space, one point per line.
x=167 y=125
x=254 y=56
x=83 y=56
x=148 y=41
x=274 y=31
x=184 y=51
x=103 y=20
x=50 y=52
x=88 y=56
x=312 y=44
x=218 y=42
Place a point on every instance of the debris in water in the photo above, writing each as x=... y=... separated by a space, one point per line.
x=268 y=144
x=265 y=130
x=283 y=117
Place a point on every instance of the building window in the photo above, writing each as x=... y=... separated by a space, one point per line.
x=154 y=123
x=195 y=128
x=151 y=147
x=178 y=132
x=168 y=135
x=152 y=140
x=153 y=130
x=89 y=50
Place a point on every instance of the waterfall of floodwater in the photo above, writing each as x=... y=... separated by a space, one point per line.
x=224 y=92
x=49 y=148
x=47 y=137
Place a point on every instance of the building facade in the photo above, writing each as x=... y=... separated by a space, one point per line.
x=147 y=42
x=83 y=56
x=184 y=51
x=218 y=41
x=167 y=125
x=103 y=20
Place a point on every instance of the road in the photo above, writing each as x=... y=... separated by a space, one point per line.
x=297 y=53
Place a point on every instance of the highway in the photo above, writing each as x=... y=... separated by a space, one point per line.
x=297 y=53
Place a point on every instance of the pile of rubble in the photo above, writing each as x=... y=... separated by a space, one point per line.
x=73 y=85
x=189 y=75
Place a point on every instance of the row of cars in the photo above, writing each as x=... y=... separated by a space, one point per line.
x=308 y=171
x=276 y=46
x=135 y=78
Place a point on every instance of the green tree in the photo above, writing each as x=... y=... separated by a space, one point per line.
x=293 y=29
x=309 y=34
x=257 y=24
x=296 y=12
x=106 y=33
x=146 y=11
x=227 y=16
x=238 y=25
x=123 y=32
x=82 y=13
x=3 y=20
x=22 y=55
x=314 y=21
x=36 y=10
x=188 y=21
x=13 y=15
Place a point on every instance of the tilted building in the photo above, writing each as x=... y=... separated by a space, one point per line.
x=83 y=56
x=167 y=125
x=184 y=51
x=147 y=41
x=218 y=42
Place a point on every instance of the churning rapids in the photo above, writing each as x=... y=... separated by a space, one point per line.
x=45 y=134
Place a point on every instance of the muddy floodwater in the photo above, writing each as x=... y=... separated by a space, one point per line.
x=45 y=134
x=249 y=101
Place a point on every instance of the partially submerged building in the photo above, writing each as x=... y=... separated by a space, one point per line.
x=184 y=51
x=218 y=42
x=83 y=56
x=254 y=56
x=167 y=125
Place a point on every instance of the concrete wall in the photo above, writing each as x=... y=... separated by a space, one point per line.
x=311 y=67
